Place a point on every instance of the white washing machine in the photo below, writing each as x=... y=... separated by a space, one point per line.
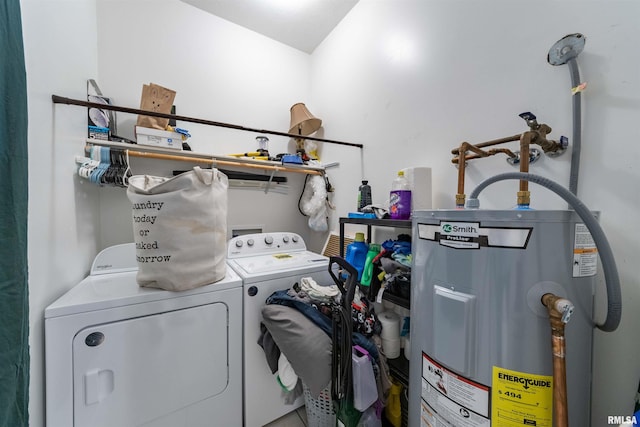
x=121 y=355
x=268 y=262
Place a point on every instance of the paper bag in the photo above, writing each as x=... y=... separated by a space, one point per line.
x=158 y=99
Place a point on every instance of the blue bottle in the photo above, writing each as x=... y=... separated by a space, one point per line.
x=356 y=254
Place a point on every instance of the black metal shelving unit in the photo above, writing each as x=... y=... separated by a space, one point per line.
x=393 y=223
x=370 y=223
x=399 y=366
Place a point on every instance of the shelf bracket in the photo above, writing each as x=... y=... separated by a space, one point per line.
x=266 y=187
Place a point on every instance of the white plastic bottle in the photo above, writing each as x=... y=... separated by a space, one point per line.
x=400 y=198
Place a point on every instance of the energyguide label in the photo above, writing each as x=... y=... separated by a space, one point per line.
x=521 y=399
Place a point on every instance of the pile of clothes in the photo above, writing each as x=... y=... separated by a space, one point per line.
x=395 y=262
x=297 y=337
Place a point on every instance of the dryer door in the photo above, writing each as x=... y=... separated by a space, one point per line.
x=146 y=370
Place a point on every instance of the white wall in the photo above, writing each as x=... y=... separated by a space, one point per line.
x=221 y=72
x=413 y=79
x=60 y=54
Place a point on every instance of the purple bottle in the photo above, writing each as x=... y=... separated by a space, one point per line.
x=400 y=198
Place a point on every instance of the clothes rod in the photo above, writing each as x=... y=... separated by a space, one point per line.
x=217 y=162
x=68 y=101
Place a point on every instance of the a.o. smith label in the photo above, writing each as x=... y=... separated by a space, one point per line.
x=472 y=235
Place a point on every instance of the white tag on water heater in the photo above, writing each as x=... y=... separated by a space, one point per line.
x=585 y=253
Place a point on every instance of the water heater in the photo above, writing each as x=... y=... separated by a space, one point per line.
x=480 y=334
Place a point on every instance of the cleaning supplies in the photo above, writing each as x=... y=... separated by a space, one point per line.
x=400 y=198
x=367 y=273
x=393 y=411
x=365 y=392
x=356 y=254
x=364 y=195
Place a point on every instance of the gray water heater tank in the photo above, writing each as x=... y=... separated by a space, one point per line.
x=480 y=335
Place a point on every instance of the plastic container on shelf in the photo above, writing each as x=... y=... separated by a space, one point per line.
x=400 y=198
x=364 y=195
x=367 y=273
x=393 y=410
x=356 y=253
x=365 y=391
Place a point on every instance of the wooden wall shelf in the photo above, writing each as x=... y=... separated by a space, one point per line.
x=143 y=151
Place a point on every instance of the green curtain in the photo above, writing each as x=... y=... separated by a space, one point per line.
x=14 y=296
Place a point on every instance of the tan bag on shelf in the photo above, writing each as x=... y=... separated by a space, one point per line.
x=158 y=99
x=180 y=228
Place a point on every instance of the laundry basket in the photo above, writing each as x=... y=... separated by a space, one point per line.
x=320 y=412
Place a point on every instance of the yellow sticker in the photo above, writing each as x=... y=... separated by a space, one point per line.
x=282 y=256
x=521 y=399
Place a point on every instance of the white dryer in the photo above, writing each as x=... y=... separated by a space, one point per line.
x=268 y=262
x=121 y=355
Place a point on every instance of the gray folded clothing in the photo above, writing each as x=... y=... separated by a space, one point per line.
x=305 y=345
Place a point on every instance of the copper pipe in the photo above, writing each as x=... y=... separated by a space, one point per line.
x=490 y=152
x=524 y=196
x=460 y=196
x=557 y=321
x=492 y=142
x=525 y=140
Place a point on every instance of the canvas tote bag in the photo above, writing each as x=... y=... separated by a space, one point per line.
x=180 y=228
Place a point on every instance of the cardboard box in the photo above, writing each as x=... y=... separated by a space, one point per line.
x=97 y=132
x=158 y=138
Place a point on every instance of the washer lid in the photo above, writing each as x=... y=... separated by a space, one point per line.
x=278 y=262
x=104 y=291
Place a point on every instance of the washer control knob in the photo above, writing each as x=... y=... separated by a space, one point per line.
x=295 y=239
x=250 y=242
x=285 y=239
x=238 y=243
x=252 y=291
x=268 y=240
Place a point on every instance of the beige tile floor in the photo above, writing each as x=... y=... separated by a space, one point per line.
x=297 y=418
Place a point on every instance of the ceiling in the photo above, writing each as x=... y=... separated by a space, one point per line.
x=301 y=24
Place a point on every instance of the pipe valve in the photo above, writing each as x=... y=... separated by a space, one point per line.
x=559 y=308
x=531 y=120
x=565 y=307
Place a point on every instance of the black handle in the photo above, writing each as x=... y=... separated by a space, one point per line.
x=348 y=289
